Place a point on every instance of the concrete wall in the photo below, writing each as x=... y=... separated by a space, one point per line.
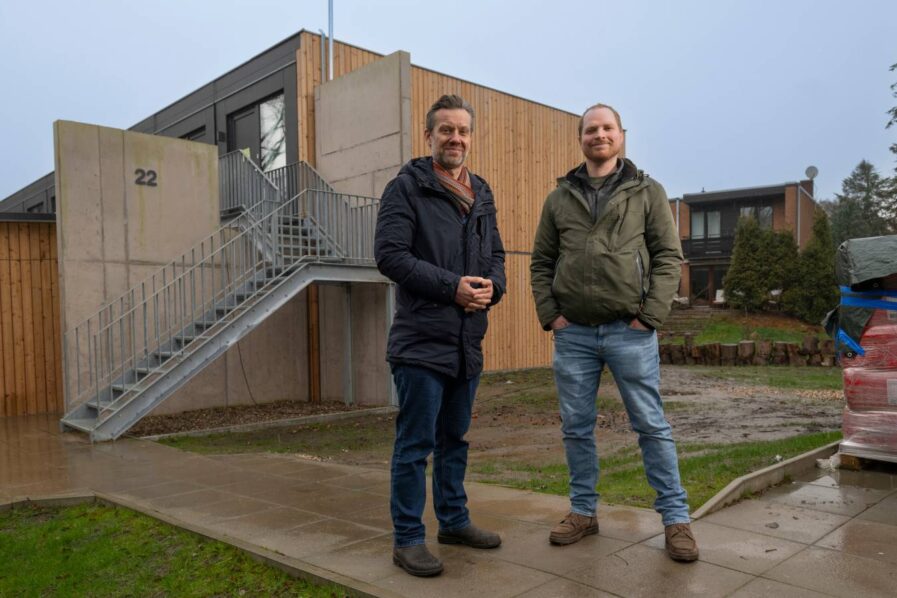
x=362 y=138
x=113 y=233
x=269 y=364
x=370 y=372
x=363 y=125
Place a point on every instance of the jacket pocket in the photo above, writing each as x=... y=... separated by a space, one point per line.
x=619 y=283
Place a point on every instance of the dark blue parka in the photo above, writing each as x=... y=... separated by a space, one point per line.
x=425 y=245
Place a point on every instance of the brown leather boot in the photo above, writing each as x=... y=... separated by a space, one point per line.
x=572 y=529
x=680 y=542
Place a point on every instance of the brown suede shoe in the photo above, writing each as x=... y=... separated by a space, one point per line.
x=680 y=543
x=572 y=528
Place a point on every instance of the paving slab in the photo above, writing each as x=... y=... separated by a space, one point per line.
x=864 y=538
x=737 y=549
x=883 y=512
x=770 y=518
x=644 y=571
x=840 y=500
x=765 y=588
x=564 y=588
x=467 y=573
x=828 y=533
x=837 y=573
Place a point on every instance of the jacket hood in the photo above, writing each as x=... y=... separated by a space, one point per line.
x=630 y=173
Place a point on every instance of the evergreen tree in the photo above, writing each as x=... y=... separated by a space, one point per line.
x=763 y=260
x=780 y=257
x=745 y=281
x=814 y=290
x=892 y=113
x=890 y=207
x=863 y=205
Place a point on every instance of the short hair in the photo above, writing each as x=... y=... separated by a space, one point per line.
x=449 y=102
x=595 y=107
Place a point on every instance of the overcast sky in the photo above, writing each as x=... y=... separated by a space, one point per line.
x=715 y=94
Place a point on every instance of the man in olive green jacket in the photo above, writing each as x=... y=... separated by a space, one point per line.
x=605 y=268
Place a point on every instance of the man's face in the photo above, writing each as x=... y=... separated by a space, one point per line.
x=601 y=138
x=449 y=140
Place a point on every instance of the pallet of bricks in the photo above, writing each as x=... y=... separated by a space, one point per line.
x=865 y=330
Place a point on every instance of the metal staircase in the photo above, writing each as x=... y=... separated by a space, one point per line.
x=138 y=349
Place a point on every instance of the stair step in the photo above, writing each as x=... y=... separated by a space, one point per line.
x=93 y=406
x=82 y=424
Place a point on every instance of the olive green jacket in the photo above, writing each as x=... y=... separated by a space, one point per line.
x=625 y=265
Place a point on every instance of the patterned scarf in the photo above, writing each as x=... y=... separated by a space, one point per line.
x=460 y=188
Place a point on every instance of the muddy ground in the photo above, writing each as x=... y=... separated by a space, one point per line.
x=516 y=417
x=700 y=409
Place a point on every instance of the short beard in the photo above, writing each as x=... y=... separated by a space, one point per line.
x=443 y=161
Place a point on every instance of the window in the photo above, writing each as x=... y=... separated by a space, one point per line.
x=697 y=225
x=762 y=214
x=713 y=225
x=705 y=225
x=765 y=216
x=195 y=134
x=273 y=133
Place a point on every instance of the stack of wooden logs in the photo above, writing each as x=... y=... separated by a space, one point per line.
x=811 y=352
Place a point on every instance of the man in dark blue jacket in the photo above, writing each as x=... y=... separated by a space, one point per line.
x=438 y=240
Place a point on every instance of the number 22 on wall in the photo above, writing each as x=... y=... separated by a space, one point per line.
x=145 y=177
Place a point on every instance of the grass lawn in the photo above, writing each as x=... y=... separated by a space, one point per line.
x=705 y=469
x=325 y=440
x=733 y=329
x=806 y=378
x=96 y=550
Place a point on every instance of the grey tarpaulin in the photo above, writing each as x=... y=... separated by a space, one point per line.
x=860 y=267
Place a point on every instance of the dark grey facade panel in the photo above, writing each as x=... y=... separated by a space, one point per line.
x=207 y=108
x=273 y=59
x=39 y=195
x=282 y=56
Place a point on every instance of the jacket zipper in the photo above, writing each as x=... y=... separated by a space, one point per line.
x=641 y=274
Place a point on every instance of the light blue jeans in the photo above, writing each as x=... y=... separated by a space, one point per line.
x=580 y=354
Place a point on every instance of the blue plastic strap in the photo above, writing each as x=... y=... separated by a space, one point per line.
x=877 y=293
x=868 y=303
x=844 y=339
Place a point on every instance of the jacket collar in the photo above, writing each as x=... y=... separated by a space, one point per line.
x=630 y=177
x=422 y=171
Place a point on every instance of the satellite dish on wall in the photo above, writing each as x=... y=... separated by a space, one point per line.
x=811 y=172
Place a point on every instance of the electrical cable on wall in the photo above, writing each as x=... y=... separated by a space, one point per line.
x=245 y=378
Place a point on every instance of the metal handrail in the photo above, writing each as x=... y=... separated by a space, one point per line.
x=244 y=187
x=296 y=177
x=156 y=325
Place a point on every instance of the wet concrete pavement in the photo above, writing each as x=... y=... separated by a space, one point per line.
x=825 y=534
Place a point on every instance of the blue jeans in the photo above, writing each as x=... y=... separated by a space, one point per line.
x=434 y=415
x=580 y=354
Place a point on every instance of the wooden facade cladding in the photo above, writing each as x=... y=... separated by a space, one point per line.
x=520 y=147
x=515 y=339
x=346 y=59
x=30 y=336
